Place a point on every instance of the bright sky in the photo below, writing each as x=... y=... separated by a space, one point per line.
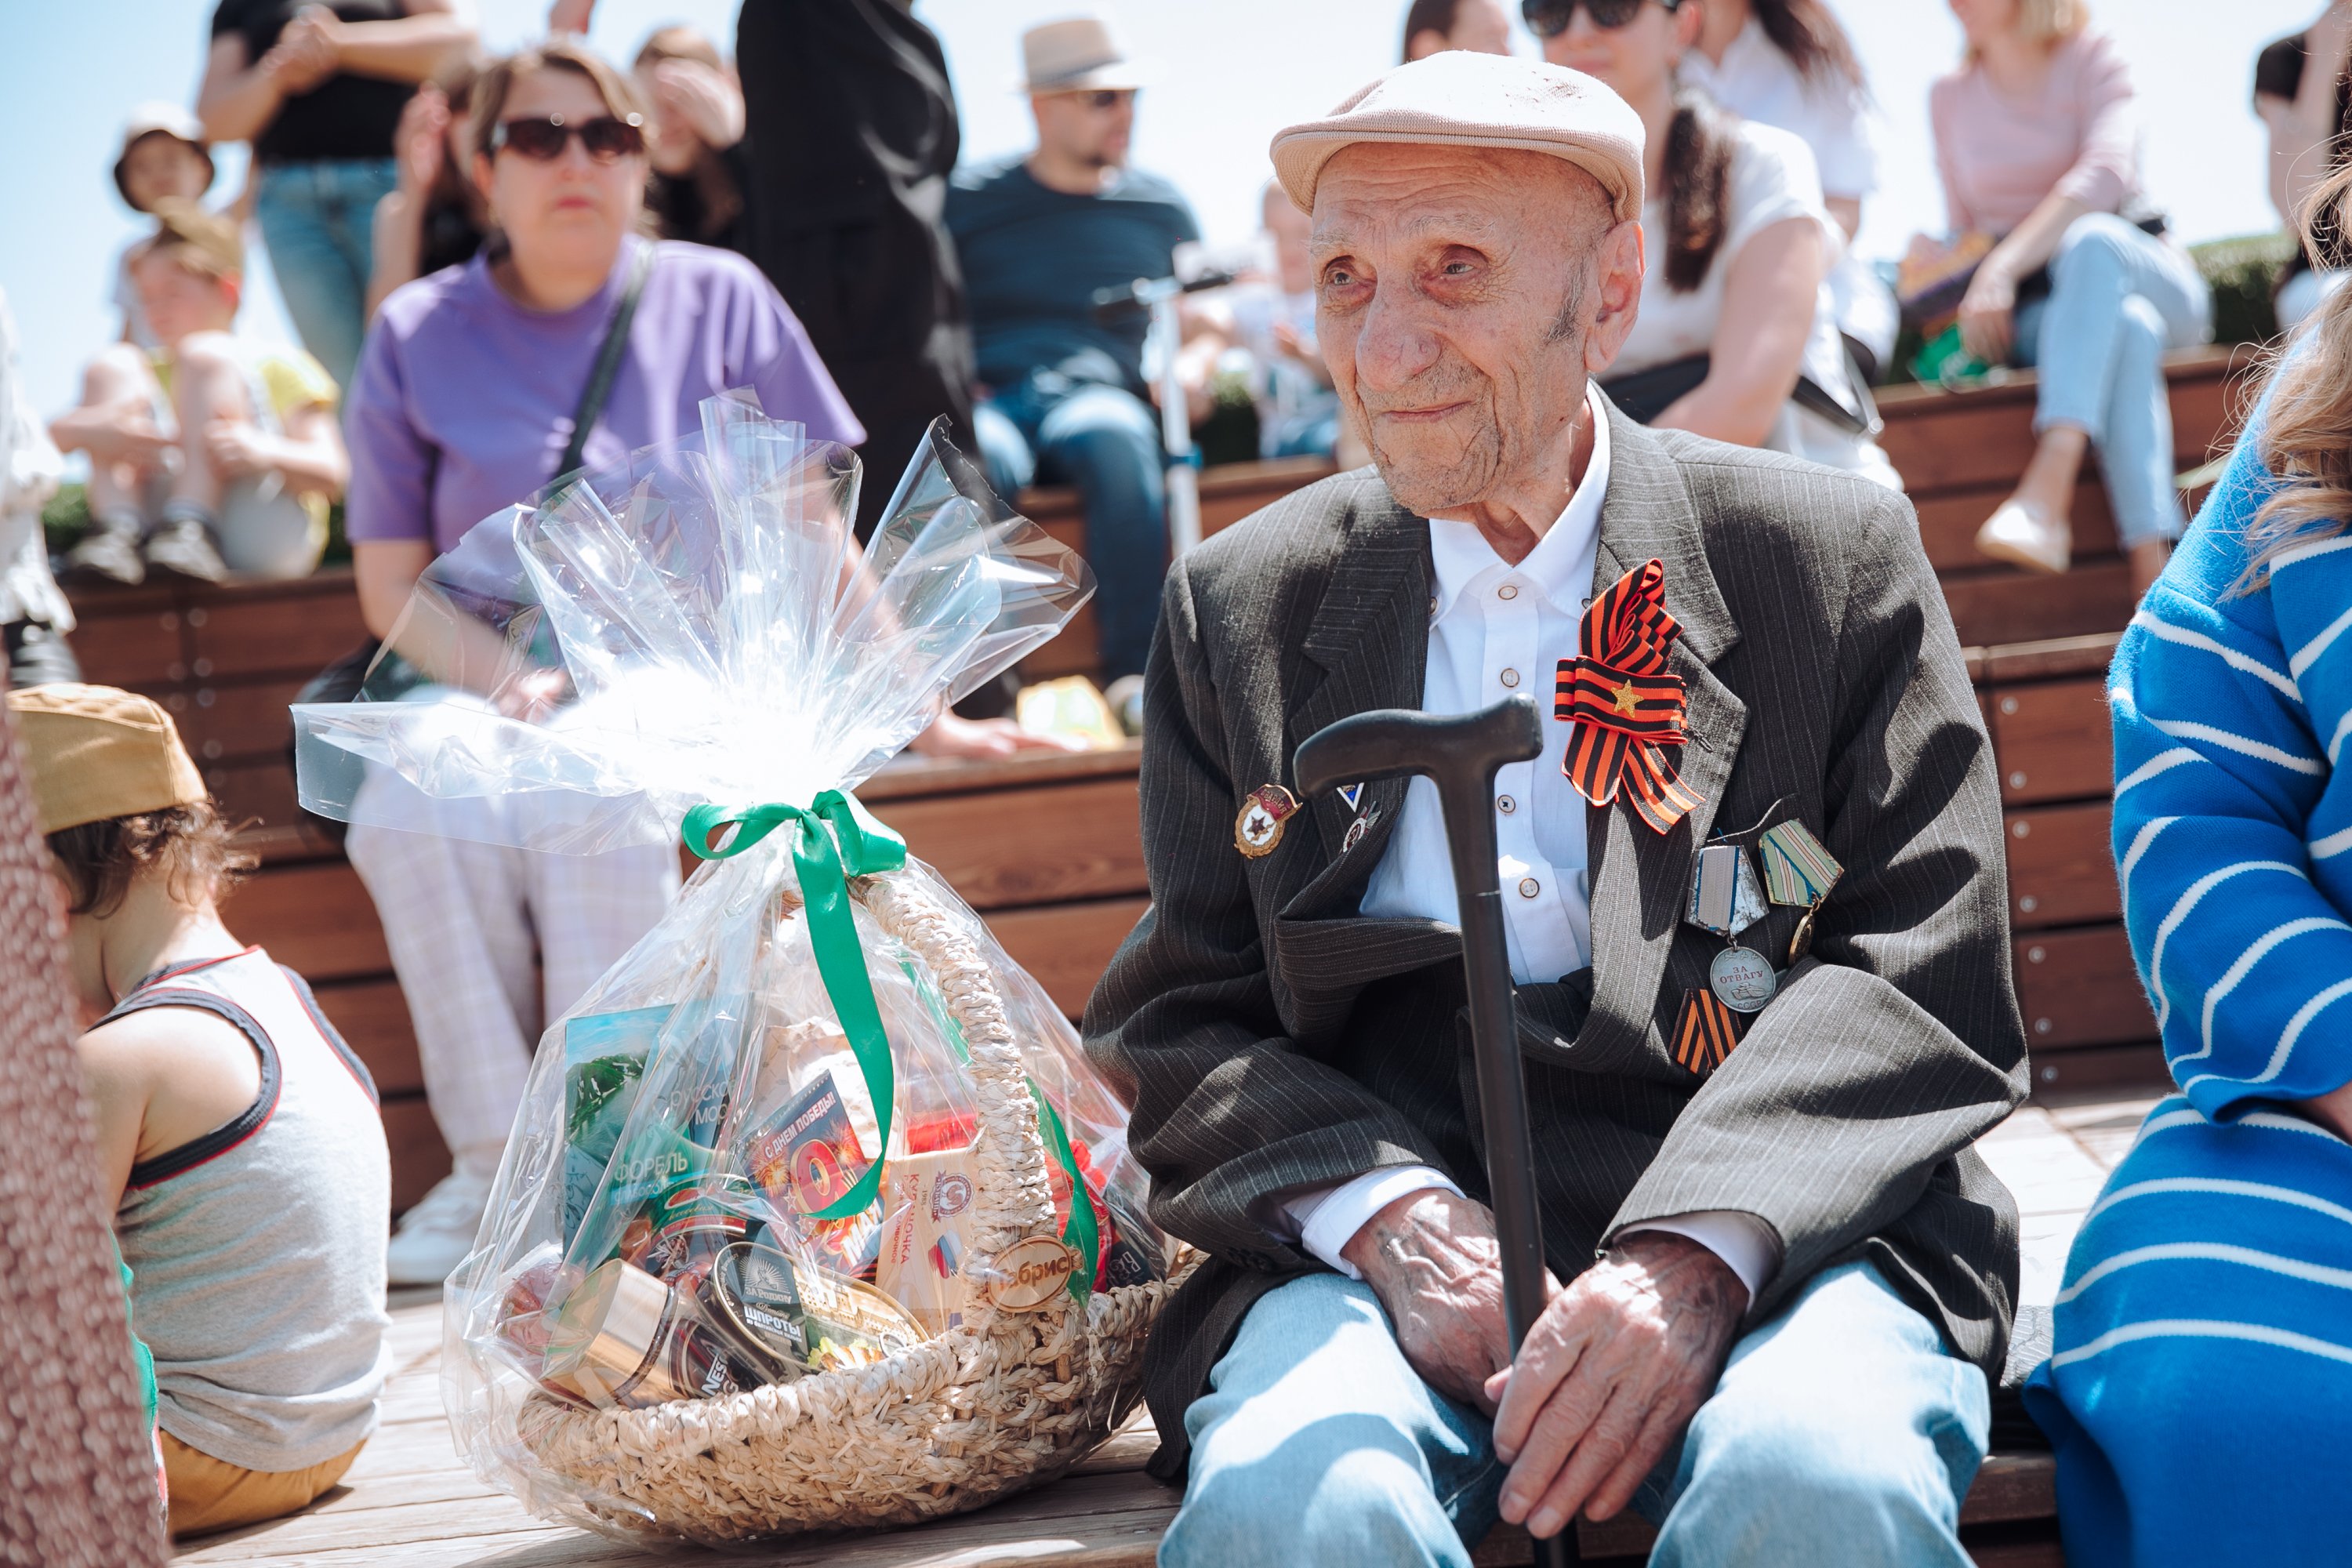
x=1227 y=74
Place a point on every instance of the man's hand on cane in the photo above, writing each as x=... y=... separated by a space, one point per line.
x=1613 y=1371
x=1610 y=1374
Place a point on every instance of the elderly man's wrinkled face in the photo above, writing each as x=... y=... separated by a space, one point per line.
x=1463 y=295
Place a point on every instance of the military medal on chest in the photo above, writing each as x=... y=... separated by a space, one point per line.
x=1725 y=899
x=1258 y=828
x=1800 y=873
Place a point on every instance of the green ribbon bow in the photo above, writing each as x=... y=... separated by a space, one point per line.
x=834 y=839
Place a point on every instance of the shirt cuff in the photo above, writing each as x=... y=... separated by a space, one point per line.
x=1746 y=1244
x=1327 y=1218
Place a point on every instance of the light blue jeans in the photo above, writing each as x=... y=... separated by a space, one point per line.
x=2119 y=297
x=1840 y=1432
x=318 y=220
x=1053 y=429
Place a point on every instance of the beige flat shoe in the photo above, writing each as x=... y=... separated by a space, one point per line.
x=2021 y=537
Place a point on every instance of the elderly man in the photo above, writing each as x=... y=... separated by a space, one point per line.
x=1786 y=1273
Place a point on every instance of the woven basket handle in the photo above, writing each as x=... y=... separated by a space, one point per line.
x=1014 y=1198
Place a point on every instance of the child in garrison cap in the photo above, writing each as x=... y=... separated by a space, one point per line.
x=239 y=1130
x=213 y=453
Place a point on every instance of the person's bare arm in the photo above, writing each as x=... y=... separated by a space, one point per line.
x=2301 y=127
x=1847 y=210
x=162 y=1078
x=1769 y=295
x=238 y=96
x=310 y=456
x=398 y=235
x=1989 y=309
x=409 y=48
x=116 y=1082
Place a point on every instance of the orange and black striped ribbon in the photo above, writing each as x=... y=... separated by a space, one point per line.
x=1705 y=1032
x=1624 y=704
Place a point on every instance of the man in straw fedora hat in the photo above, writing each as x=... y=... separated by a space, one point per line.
x=1066 y=401
x=1785 y=1276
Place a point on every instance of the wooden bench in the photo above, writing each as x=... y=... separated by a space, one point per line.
x=227 y=662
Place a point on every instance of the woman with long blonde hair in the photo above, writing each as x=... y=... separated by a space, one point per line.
x=2200 y=1388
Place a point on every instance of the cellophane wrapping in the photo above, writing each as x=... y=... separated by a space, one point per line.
x=699 y=629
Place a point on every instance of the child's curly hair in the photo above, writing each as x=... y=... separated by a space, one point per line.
x=194 y=846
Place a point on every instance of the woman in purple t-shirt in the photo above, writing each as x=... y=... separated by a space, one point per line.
x=462 y=407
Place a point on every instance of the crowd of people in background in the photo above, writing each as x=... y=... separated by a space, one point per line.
x=504 y=269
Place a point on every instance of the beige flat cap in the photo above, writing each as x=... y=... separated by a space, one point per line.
x=92 y=752
x=1461 y=99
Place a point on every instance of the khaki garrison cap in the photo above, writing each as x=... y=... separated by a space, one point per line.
x=1460 y=99
x=93 y=753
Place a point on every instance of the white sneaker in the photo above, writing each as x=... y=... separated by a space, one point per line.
x=2022 y=537
x=434 y=1236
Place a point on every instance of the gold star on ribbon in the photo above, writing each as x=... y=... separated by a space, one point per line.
x=1624 y=698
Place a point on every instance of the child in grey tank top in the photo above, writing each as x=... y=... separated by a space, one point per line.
x=239 y=1129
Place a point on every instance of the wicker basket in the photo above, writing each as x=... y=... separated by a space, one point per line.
x=1005 y=1399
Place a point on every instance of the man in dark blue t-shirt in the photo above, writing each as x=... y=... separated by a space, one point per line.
x=1066 y=397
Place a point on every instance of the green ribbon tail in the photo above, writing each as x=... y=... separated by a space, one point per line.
x=865 y=847
x=1083 y=1231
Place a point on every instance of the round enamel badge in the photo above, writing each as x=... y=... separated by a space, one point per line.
x=1258 y=828
x=1742 y=979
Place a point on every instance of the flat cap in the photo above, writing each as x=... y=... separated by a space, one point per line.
x=92 y=752
x=1461 y=99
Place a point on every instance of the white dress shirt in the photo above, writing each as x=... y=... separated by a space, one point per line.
x=1495 y=630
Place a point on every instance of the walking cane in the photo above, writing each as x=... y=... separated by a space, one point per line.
x=1462 y=755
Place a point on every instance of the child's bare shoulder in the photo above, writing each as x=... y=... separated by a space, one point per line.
x=189 y=1058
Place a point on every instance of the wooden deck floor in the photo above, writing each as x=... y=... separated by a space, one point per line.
x=409 y=1501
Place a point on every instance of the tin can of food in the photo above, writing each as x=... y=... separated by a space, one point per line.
x=624 y=1337
x=822 y=1321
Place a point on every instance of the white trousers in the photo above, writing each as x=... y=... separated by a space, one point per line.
x=464 y=917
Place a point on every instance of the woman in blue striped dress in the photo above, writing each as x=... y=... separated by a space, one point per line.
x=2200 y=1393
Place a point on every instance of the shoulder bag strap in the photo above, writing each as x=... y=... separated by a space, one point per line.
x=608 y=360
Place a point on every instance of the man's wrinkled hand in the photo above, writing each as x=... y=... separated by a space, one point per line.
x=1610 y=1374
x=1433 y=1260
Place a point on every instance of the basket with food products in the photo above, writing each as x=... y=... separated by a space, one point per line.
x=814 y=1215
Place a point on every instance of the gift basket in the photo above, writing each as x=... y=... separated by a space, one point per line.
x=813 y=1214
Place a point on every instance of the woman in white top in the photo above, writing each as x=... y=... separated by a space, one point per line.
x=1788 y=64
x=1738 y=243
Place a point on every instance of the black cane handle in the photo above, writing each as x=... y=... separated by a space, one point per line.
x=1460 y=752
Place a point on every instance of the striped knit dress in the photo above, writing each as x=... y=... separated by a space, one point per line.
x=2199 y=1390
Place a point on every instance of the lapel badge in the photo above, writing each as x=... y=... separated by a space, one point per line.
x=1351 y=796
x=1258 y=828
x=1358 y=828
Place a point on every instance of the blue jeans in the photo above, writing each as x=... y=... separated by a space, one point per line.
x=318 y=221
x=1106 y=441
x=1840 y=1432
x=2119 y=297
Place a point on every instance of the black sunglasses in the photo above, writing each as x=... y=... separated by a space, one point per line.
x=606 y=138
x=1551 y=18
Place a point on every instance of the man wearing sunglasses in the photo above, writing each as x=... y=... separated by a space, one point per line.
x=1783 y=1273
x=1065 y=400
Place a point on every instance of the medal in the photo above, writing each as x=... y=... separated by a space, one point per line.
x=1800 y=873
x=1357 y=829
x=1351 y=795
x=1725 y=899
x=1258 y=828
x=1742 y=979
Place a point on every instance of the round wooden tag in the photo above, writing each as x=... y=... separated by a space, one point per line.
x=1032 y=1272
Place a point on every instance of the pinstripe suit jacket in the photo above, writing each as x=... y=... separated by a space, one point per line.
x=1271 y=1038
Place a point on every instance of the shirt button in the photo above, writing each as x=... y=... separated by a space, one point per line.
x=1508 y=590
x=1506 y=805
x=1510 y=678
x=1529 y=887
